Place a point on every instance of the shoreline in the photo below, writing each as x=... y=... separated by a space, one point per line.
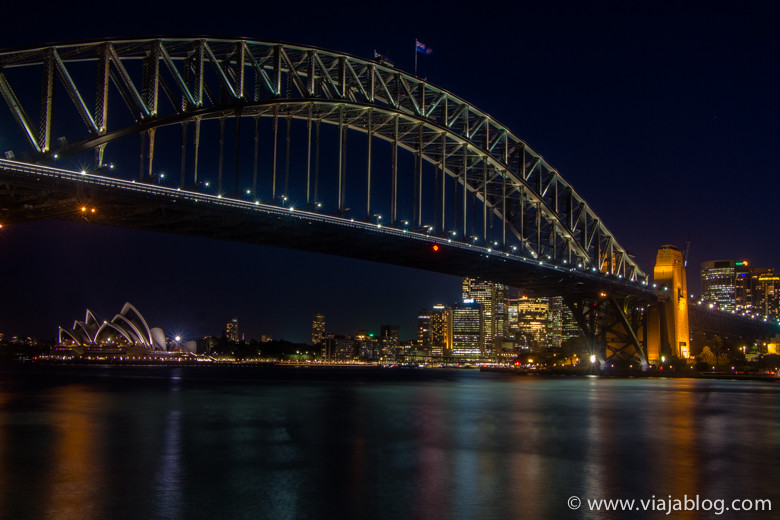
x=286 y=368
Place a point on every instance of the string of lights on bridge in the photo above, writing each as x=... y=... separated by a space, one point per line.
x=288 y=208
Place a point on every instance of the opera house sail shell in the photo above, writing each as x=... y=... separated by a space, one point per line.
x=126 y=329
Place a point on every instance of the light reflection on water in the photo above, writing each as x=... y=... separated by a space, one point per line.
x=204 y=443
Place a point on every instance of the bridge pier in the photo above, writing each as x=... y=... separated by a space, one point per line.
x=615 y=328
x=668 y=330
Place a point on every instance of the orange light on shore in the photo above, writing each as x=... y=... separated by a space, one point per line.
x=83 y=209
x=435 y=248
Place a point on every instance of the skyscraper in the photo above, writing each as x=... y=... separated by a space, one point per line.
x=424 y=329
x=492 y=298
x=765 y=285
x=468 y=331
x=727 y=284
x=441 y=330
x=317 y=329
x=391 y=340
x=231 y=330
x=569 y=326
x=530 y=322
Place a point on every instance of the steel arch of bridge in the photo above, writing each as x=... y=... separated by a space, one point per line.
x=191 y=80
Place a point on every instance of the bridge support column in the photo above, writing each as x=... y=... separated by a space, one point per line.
x=147 y=154
x=394 y=184
x=614 y=327
x=99 y=151
x=221 y=154
x=317 y=161
x=254 y=162
x=183 y=181
x=197 y=151
x=287 y=157
x=152 y=132
x=341 y=169
x=273 y=162
x=669 y=331
x=236 y=155
x=308 y=154
x=370 y=129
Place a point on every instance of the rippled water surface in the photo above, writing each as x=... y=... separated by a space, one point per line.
x=202 y=442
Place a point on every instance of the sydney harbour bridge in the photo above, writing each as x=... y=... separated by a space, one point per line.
x=305 y=148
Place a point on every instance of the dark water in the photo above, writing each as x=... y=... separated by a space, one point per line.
x=129 y=442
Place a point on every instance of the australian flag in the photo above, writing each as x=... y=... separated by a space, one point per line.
x=422 y=48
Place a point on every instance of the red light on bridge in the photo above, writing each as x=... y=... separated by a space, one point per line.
x=435 y=248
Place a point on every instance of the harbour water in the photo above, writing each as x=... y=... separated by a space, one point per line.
x=102 y=442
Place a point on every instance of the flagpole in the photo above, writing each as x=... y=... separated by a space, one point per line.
x=415 y=57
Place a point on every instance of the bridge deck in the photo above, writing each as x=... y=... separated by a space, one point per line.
x=31 y=192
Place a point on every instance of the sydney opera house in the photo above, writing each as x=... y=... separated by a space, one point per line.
x=126 y=332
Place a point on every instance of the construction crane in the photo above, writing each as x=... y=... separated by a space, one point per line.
x=686 y=249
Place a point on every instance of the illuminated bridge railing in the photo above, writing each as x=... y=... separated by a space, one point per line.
x=176 y=194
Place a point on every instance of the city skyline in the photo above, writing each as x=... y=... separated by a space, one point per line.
x=650 y=131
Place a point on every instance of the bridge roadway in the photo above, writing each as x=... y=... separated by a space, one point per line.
x=34 y=192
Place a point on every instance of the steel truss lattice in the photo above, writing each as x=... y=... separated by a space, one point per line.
x=525 y=205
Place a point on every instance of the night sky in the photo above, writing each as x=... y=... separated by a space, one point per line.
x=664 y=117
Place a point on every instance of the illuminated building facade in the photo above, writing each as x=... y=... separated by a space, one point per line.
x=492 y=298
x=391 y=340
x=468 y=331
x=339 y=347
x=231 y=330
x=317 y=329
x=441 y=331
x=424 y=329
x=529 y=322
x=569 y=327
x=765 y=286
x=726 y=283
x=367 y=345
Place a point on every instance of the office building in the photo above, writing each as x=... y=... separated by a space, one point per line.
x=529 y=322
x=317 y=329
x=390 y=336
x=468 y=331
x=765 y=286
x=424 y=329
x=492 y=298
x=367 y=346
x=231 y=330
x=441 y=331
x=726 y=283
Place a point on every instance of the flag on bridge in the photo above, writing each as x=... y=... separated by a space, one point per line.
x=422 y=48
